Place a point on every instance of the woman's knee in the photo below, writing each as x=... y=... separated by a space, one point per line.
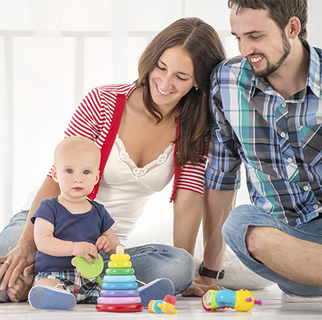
x=12 y=232
x=182 y=263
x=189 y=263
x=233 y=222
x=184 y=269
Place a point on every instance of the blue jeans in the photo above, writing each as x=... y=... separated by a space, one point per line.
x=149 y=262
x=234 y=232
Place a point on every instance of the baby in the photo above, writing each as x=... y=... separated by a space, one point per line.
x=70 y=225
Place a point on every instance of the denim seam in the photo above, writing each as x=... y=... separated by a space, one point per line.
x=154 y=249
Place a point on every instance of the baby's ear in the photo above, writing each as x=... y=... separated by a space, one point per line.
x=54 y=174
x=97 y=177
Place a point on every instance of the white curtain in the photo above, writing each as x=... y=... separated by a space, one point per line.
x=53 y=51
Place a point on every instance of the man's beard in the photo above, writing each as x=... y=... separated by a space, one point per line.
x=273 y=67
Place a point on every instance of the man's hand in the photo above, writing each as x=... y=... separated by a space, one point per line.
x=200 y=286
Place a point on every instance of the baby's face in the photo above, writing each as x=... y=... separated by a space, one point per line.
x=77 y=173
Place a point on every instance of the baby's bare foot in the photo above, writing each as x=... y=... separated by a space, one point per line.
x=19 y=291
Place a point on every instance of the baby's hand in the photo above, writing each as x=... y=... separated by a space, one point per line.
x=85 y=250
x=103 y=243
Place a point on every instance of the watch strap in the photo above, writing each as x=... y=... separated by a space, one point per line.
x=203 y=271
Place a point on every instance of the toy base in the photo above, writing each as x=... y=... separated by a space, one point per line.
x=119 y=307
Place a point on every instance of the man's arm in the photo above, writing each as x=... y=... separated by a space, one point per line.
x=218 y=205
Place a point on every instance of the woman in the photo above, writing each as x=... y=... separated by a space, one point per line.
x=147 y=132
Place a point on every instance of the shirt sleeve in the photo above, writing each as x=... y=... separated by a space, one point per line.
x=46 y=210
x=107 y=220
x=86 y=120
x=223 y=171
x=192 y=177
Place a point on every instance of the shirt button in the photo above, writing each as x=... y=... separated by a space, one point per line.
x=283 y=104
x=289 y=160
x=283 y=134
x=306 y=188
x=315 y=206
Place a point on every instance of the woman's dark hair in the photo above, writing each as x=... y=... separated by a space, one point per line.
x=280 y=11
x=202 y=43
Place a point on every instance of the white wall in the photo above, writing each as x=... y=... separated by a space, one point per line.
x=53 y=52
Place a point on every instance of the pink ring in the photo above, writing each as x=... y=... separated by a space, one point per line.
x=120 y=300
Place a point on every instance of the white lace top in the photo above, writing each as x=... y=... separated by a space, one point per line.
x=125 y=188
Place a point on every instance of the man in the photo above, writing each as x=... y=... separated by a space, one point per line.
x=267 y=114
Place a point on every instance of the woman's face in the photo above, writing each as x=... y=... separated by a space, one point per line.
x=171 y=78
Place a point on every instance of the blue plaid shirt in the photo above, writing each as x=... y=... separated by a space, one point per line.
x=279 y=141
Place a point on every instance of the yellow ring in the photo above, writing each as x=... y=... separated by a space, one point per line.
x=120 y=257
x=122 y=264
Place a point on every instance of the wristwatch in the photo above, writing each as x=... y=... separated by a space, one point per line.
x=203 y=271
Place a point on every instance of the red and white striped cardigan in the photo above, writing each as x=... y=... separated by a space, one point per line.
x=98 y=117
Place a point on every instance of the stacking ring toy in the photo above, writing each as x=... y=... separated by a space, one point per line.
x=131 y=278
x=118 y=300
x=125 y=264
x=119 y=293
x=89 y=270
x=119 y=285
x=119 y=289
x=119 y=307
x=120 y=257
x=120 y=271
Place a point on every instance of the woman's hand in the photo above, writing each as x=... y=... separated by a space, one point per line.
x=16 y=271
x=19 y=260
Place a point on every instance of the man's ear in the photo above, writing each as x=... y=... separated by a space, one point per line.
x=293 y=27
x=54 y=174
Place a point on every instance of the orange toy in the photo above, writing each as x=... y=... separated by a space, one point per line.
x=163 y=306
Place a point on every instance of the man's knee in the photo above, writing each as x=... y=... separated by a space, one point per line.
x=253 y=239
x=258 y=239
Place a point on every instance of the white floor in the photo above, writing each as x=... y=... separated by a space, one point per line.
x=188 y=308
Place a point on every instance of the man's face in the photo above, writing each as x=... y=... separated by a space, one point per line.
x=260 y=40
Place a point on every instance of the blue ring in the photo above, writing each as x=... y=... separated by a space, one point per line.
x=119 y=285
x=109 y=278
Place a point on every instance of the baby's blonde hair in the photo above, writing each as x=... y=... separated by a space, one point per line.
x=78 y=143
